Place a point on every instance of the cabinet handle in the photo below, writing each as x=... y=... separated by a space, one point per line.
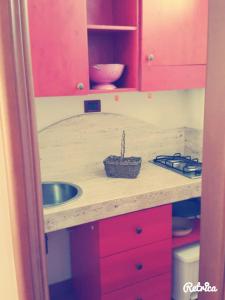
x=139 y=230
x=80 y=86
x=139 y=298
x=139 y=267
x=150 y=57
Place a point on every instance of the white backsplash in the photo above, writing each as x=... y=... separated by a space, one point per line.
x=168 y=109
x=78 y=145
x=193 y=141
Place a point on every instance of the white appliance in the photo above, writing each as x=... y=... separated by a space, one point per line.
x=185 y=270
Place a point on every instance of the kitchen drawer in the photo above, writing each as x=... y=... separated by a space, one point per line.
x=134 y=229
x=130 y=267
x=157 y=288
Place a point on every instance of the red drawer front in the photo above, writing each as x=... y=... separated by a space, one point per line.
x=130 y=267
x=157 y=288
x=134 y=230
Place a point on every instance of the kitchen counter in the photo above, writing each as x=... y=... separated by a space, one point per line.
x=69 y=152
x=107 y=197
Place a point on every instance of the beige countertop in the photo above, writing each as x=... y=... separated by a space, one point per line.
x=106 y=197
x=73 y=149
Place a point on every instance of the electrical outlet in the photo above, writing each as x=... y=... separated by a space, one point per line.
x=92 y=106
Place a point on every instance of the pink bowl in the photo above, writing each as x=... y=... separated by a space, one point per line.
x=106 y=73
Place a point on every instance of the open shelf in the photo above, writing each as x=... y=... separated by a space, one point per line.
x=111 y=28
x=191 y=238
x=112 y=12
x=115 y=47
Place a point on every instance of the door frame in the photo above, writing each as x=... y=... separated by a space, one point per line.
x=212 y=256
x=19 y=152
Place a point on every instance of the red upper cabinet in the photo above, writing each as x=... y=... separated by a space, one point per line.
x=68 y=37
x=173 y=44
x=59 y=49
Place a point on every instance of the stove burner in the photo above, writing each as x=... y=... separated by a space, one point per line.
x=183 y=165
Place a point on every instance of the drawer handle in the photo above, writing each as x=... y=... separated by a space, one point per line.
x=139 y=230
x=139 y=298
x=139 y=267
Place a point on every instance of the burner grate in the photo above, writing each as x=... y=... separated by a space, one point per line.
x=184 y=165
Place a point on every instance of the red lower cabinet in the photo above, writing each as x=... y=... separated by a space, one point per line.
x=157 y=288
x=105 y=267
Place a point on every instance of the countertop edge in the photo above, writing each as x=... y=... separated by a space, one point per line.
x=94 y=212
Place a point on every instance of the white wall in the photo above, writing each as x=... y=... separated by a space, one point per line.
x=194 y=108
x=164 y=109
x=8 y=280
x=168 y=109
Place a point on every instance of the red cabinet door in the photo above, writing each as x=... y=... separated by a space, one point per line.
x=58 y=36
x=174 y=34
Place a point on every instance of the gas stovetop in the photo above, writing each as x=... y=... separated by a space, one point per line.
x=184 y=165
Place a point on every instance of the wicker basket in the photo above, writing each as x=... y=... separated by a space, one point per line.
x=120 y=166
x=127 y=167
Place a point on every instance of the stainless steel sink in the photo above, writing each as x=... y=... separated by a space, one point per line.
x=57 y=193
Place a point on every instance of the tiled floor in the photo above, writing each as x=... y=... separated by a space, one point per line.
x=69 y=297
x=62 y=291
x=66 y=297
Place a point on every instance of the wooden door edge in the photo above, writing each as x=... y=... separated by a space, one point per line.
x=19 y=139
x=212 y=256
